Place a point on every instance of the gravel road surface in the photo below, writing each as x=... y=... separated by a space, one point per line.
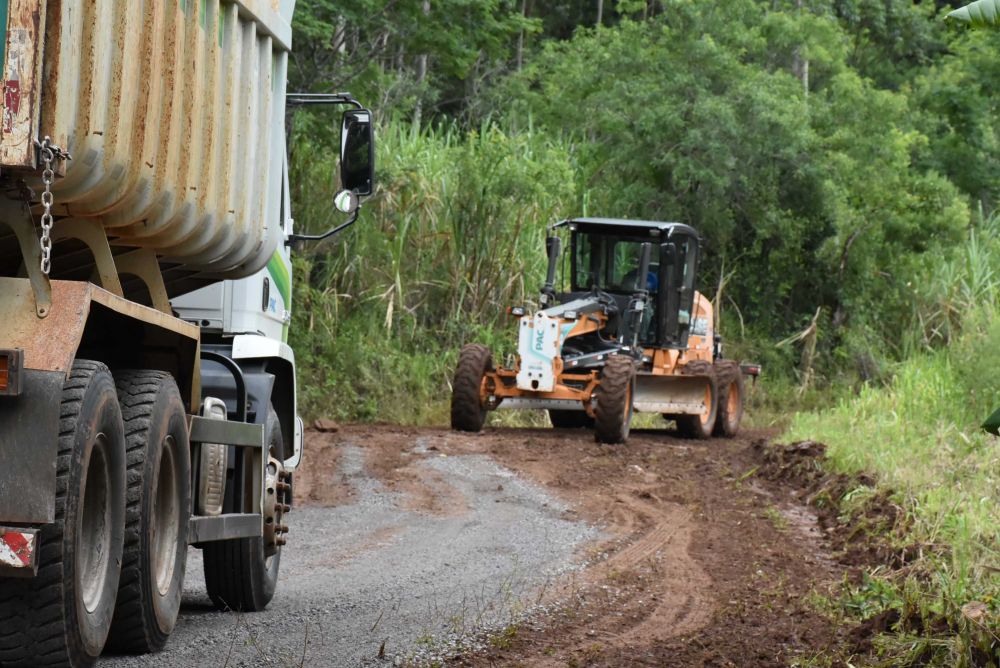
x=380 y=572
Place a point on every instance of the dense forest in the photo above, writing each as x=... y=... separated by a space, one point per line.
x=836 y=156
x=840 y=158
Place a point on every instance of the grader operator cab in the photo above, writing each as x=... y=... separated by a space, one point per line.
x=632 y=334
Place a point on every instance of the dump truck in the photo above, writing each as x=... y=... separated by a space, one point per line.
x=632 y=333
x=147 y=388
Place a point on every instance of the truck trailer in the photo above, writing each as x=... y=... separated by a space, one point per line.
x=147 y=388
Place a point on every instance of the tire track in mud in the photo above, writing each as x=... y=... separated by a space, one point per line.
x=684 y=603
x=703 y=569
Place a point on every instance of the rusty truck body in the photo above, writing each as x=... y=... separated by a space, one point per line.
x=147 y=388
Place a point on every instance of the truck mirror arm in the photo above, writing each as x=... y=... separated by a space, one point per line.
x=314 y=99
x=292 y=238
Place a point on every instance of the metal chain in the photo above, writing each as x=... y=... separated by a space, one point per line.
x=50 y=153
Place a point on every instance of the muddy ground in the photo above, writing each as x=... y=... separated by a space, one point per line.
x=699 y=561
x=530 y=547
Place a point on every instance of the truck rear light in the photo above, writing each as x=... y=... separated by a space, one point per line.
x=10 y=372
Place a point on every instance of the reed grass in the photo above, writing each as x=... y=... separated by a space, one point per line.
x=454 y=236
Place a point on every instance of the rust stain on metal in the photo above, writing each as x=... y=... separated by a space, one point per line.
x=50 y=344
x=21 y=74
x=175 y=128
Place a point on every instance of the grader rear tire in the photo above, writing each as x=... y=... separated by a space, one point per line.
x=613 y=413
x=701 y=426
x=467 y=410
x=61 y=617
x=157 y=514
x=731 y=399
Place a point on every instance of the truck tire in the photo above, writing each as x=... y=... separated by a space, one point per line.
x=570 y=420
x=61 y=617
x=731 y=399
x=701 y=426
x=467 y=410
x=613 y=413
x=238 y=574
x=157 y=512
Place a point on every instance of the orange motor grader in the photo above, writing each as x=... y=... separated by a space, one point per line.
x=631 y=334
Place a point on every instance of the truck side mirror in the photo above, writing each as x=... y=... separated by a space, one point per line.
x=357 y=152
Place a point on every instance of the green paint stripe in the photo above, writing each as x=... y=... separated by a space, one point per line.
x=3 y=42
x=282 y=281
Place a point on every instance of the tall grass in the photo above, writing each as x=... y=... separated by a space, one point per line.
x=454 y=236
x=959 y=282
x=920 y=436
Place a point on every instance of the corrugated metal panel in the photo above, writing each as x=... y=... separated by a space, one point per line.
x=24 y=22
x=173 y=111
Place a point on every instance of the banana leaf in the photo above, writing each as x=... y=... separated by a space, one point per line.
x=979 y=14
x=992 y=424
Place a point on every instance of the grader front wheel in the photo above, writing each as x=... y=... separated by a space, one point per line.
x=613 y=413
x=467 y=410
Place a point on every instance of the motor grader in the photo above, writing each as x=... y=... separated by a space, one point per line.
x=631 y=334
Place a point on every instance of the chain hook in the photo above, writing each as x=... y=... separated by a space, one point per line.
x=49 y=153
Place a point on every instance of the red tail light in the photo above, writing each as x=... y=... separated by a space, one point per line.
x=10 y=373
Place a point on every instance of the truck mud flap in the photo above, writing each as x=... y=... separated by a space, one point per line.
x=29 y=434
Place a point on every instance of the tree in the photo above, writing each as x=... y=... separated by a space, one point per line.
x=697 y=116
x=379 y=48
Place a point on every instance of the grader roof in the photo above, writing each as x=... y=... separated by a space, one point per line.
x=615 y=225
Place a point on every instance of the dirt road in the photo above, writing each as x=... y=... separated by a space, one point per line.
x=526 y=547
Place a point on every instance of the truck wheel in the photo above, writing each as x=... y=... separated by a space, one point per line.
x=467 y=410
x=62 y=615
x=731 y=397
x=570 y=420
x=157 y=514
x=239 y=575
x=613 y=413
x=701 y=426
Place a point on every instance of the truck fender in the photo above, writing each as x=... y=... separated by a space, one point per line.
x=277 y=359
